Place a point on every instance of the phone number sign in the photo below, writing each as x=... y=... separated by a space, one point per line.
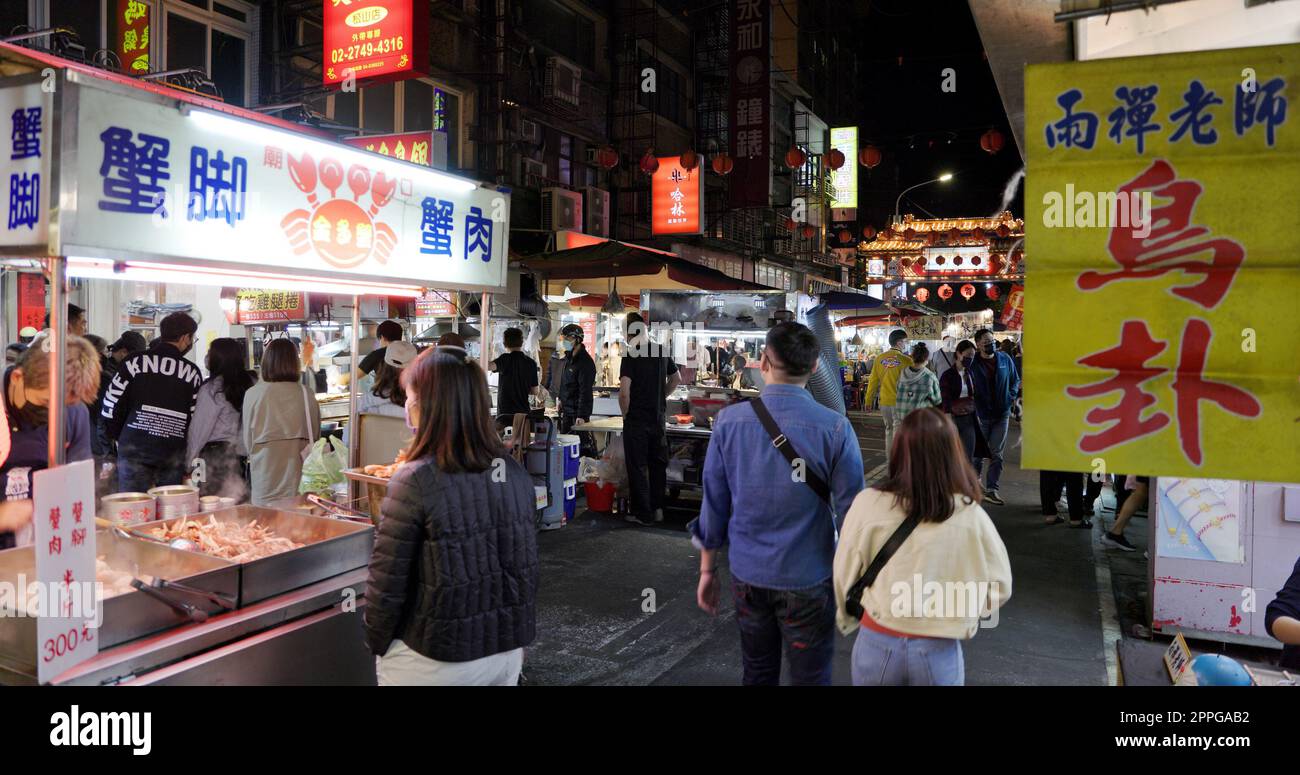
x=375 y=40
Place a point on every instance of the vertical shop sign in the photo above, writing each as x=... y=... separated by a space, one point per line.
x=64 y=522
x=751 y=103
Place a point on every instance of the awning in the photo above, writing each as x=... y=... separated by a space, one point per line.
x=589 y=269
x=843 y=300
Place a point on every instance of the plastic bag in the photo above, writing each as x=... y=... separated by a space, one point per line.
x=323 y=467
x=612 y=467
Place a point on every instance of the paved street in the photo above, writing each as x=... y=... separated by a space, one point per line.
x=617 y=601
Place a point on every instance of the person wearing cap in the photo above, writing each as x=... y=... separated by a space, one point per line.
x=388 y=332
x=387 y=396
x=128 y=344
x=577 y=382
x=148 y=407
x=26 y=335
x=516 y=378
x=889 y=367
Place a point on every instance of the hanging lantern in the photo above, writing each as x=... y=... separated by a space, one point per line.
x=607 y=157
x=956 y=261
x=795 y=157
x=788 y=223
x=922 y=294
x=940 y=260
x=974 y=260
x=931 y=239
x=846 y=236
x=722 y=164
x=887 y=234
x=808 y=231
x=968 y=291
x=1003 y=231
x=868 y=232
x=992 y=292
x=905 y=262
x=954 y=234
x=870 y=156
x=649 y=162
x=945 y=291
x=689 y=160
x=909 y=233
x=834 y=159
x=991 y=141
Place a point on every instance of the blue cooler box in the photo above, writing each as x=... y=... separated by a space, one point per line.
x=570 y=498
x=572 y=454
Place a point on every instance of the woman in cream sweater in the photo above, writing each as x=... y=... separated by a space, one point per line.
x=947 y=575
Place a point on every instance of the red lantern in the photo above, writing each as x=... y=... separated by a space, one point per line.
x=722 y=164
x=689 y=160
x=954 y=234
x=834 y=159
x=922 y=294
x=1003 y=231
x=887 y=234
x=788 y=223
x=607 y=157
x=795 y=158
x=869 y=156
x=846 y=236
x=992 y=292
x=974 y=260
x=931 y=239
x=909 y=234
x=968 y=291
x=991 y=141
x=649 y=162
x=956 y=261
x=868 y=232
x=808 y=231
x=940 y=260
x=945 y=291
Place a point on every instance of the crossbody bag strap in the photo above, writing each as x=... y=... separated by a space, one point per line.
x=788 y=451
x=853 y=600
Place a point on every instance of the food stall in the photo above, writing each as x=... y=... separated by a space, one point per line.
x=143 y=183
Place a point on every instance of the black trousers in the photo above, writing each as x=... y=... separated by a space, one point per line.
x=646 y=449
x=1049 y=489
x=586 y=447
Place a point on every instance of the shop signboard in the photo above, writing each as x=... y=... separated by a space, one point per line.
x=435 y=304
x=924 y=327
x=751 y=103
x=31 y=300
x=64 y=527
x=406 y=146
x=259 y=305
x=156 y=183
x=131 y=36
x=676 y=198
x=377 y=40
x=1163 y=278
x=845 y=179
x=1013 y=309
x=26 y=137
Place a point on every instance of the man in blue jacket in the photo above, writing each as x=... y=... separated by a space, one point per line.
x=781 y=533
x=997 y=382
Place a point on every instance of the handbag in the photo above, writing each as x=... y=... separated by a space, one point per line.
x=853 y=599
x=787 y=450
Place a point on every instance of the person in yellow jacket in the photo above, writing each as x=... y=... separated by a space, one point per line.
x=884 y=378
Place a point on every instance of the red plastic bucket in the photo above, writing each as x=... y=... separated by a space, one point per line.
x=600 y=498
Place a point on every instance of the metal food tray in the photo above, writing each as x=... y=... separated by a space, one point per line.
x=357 y=475
x=127 y=616
x=333 y=546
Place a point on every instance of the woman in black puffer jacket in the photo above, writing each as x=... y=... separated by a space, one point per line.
x=453 y=578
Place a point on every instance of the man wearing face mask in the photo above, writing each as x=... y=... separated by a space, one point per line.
x=148 y=406
x=889 y=367
x=996 y=383
x=575 y=386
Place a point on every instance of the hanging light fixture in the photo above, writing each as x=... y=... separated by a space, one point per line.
x=613 y=303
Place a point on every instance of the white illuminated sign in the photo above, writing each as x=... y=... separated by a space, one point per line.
x=845 y=179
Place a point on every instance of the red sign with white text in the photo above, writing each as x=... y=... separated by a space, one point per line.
x=676 y=198
x=378 y=40
x=408 y=146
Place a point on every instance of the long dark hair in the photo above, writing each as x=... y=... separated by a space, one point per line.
x=927 y=467
x=456 y=427
x=226 y=360
x=388 y=383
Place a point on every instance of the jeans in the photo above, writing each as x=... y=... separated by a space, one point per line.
x=646 y=450
x=802 y=621
x=995 y=433
x=966 y=432
x=888 y=660
x=136 y=476
x=891 y=424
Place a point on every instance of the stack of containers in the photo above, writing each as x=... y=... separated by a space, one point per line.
x=545 y=463
x=571 y=451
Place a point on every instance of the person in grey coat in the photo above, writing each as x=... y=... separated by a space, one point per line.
x=280 y=418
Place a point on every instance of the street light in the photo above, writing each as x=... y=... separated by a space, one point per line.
x=944 y=178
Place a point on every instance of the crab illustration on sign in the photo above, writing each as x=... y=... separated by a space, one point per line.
x=340 y=230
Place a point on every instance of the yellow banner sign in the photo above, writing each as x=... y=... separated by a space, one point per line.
x=1163 y=221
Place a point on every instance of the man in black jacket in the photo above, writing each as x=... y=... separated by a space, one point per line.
x=576 y=384
x=148 y=405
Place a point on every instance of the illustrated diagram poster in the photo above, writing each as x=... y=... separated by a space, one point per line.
x=1200 y=519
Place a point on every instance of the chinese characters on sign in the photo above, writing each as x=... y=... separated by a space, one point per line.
x=1169 y=376
x=377 y=40
x=750 y=125
x=131 y=41
x=64 y=521
x=845 y=179
x=25 y=148
x=676 y=198
x=257 y=305
x=408 y=146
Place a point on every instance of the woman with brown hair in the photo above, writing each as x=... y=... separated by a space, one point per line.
x=945 y=570
x=280 y=419
x=26 y=398
x=453 y=577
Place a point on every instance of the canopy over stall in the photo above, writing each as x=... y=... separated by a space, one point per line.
x=588 y=269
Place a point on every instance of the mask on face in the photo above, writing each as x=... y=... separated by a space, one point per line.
x=989 y=347
x=31 y=415
x=566 y=345
x=410 y=424
x=965 y=361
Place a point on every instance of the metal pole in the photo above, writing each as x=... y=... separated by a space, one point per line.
x=57 y=345
x=485 y=338
x=354 y=432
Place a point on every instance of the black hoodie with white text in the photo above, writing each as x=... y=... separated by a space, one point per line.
x=149 y=403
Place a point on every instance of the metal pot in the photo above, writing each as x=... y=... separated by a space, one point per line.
x=177 y=500
x=129 y=508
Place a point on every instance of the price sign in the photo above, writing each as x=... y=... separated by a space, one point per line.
x=64 y=521
x=924 y=327
x=1177 y=657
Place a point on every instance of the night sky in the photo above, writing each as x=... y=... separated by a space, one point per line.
x=922 y=130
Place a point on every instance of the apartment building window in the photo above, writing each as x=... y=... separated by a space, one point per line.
x=561 y=29
x=416 y=105
x=669 y=98
x=212 y=35
x=774 y=277
x=83 y=16
x=566 y=160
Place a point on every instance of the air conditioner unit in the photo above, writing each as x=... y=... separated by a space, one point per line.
x=597 y=212
x=561 y=209
x=529 y=132
x=563 y=81
x=531 y=172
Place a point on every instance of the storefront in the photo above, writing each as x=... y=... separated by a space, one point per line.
x=121 y=182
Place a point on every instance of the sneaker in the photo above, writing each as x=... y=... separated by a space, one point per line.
x=634 y=519
x=1117 y=542
x=659 y=515
x=992 y=497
